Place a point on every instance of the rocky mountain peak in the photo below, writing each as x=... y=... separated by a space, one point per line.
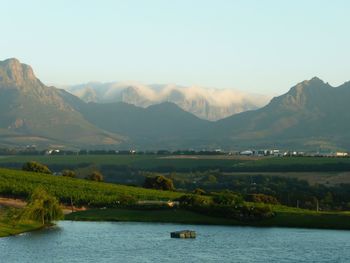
x=13 y=71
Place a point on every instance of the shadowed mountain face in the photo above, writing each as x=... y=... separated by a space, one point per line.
x=311 y=115
x=32 y=113
x=156 y=127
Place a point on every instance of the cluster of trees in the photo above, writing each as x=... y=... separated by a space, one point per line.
x=36 y=167
x=261 y=189
x=41 y=168
x=226 y=204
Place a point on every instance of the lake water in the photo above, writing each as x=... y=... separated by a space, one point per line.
x=151 y=242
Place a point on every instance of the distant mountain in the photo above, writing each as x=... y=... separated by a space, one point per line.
x=209 y=104
x=161 y=126
x=32 y=113
x=312 y=115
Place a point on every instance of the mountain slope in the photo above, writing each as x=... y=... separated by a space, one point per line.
x=312 y=114
x=209 y=104
x=32 y=113
x=162 y=126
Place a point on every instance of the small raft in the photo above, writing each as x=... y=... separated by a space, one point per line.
x=183 y=234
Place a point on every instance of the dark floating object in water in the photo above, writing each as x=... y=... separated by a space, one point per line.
x=183 y=234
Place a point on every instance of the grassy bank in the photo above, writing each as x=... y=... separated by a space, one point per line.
x=9 y=228
x=285 y=217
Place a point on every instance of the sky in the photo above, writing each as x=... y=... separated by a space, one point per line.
x=254 y=46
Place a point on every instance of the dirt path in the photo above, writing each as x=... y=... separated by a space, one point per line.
x=11 y=202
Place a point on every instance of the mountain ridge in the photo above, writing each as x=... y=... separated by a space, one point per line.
x=311 y=115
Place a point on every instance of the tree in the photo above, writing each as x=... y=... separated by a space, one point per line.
x=42 y=207
x=95 y=176
x=228 y=198
x=36 y=167
x=159 y=182
x=68 y=173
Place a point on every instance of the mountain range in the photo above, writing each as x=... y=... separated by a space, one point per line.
x=207 y=104
x=311 y=115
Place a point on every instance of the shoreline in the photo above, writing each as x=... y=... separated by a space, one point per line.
x=19 y=229
x=330 y=221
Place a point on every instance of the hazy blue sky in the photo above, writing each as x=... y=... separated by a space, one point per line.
x=260 y=46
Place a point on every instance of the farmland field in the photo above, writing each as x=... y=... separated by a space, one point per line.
x=188 y=163
x=125 y=169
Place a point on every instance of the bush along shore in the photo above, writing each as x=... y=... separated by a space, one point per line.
x=282 y=217
x=193 y=209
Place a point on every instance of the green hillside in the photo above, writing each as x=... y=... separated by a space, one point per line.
x=21 y=184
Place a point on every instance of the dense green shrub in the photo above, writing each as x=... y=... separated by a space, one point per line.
x=262 y=198
x=69 y=173
x=126 y=200
x=227 y=198
x=95 y=176
x=36 y=167
x=159 y=182
x=193 y=200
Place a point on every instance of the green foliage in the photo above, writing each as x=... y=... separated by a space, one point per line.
x=159 y=182
x=227 y=198
x=69 y=173
x=10 y=223
x=12 y=215
x=42 y=207
x=126 y=200
x=262 y=198
x=36 y=167
x=95 y=176
x=193 y=200
x=199 y=191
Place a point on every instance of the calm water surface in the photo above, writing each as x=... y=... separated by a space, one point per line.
x=150 y=242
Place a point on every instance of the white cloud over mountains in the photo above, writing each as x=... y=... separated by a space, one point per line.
x=206 y=103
